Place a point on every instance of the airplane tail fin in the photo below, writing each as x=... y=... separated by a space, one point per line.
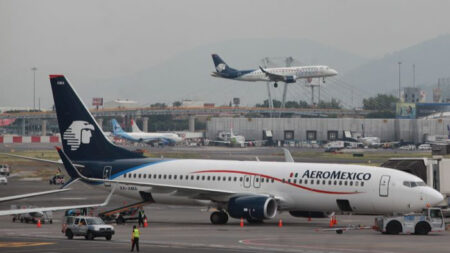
x=134 y=127
x=220 y=64
x=81 y=136
x=117 y=129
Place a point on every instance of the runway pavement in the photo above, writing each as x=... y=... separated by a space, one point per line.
x=181 y=229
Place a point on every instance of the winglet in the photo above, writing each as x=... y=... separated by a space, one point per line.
x=287 y=156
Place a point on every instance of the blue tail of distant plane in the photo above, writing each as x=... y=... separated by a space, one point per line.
x=81 y=137
x=117 y=129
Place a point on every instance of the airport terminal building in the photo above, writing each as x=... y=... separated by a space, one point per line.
x=330 y=129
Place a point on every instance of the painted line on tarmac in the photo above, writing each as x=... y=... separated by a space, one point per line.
x=265 y=242
x=23 y=244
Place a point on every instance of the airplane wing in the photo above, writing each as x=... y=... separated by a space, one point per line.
x=33 y=194
x=56 y=208
x=176 y=190
x=39 y=160
x=272 y=76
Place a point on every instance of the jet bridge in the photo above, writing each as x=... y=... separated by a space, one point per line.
x=434 y=171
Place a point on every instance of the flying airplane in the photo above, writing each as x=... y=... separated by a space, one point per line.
x=282 y=74
x=150 y=138
x=254 y=190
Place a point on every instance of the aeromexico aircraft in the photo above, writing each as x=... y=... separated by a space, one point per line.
x=150 y=138
x=254 y=190
x=282 y=74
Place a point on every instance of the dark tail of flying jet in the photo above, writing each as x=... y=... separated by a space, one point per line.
x=81 y=137
x=221 y=67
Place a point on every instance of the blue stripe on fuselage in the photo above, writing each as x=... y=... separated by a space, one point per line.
x=234 y=74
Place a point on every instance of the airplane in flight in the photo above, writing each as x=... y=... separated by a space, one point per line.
x=281 y=74
x=150 y=138
x=254 y=190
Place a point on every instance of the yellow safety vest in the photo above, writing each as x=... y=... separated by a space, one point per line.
x=136 y=233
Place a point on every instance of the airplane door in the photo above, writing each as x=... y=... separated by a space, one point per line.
x=247 y=181
x=257 y=181
x=384 y=185
x=107 y=174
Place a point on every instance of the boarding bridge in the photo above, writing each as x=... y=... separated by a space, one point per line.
x=434 y=171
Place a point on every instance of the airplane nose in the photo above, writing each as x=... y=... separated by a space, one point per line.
x=433 y=197
x=334 y=72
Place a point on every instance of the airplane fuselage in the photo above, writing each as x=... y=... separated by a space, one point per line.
x=297 y=186
x=297 y=72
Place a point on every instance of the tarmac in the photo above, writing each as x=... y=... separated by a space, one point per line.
x=188 y=229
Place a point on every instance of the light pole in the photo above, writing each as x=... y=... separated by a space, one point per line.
x=399 y=80
x=34 y=87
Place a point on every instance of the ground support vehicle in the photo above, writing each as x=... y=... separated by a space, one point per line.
x=89 y=227
x=430 y=220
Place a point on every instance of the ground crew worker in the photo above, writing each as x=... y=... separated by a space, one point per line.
x=141 y=216
x=135 y=239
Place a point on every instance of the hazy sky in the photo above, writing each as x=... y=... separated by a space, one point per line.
x=107 y=39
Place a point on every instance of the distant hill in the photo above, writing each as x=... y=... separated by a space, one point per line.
x=432 y=60
x=187 y=76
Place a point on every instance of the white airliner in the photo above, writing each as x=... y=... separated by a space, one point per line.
x=138 y=136
x=282 y=74
x=253 y=190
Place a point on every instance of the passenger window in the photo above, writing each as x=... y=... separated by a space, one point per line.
x=262 y=180
x=356 y=183
x=306 y=181
x=324 y=182
x=329 y=182
x=295 y=181
x=203 y=177
x=229 y=179
x=351 y=183
x=235 y=179
x=247 y=179
x=181 y=177
x=159 y=176
x=165 y=176
x=209 y=178
x=174 y=176
x=257 y=180
x=300 y=181
x=318 y=182
x=198 y=177
x=240 y=179
x=134 y=175
x=335 y=182
x=312 y=181
x=296 y=174
x=214 y=178
x=289 y=180
x=345 y=183
x=282 y=181
x=125 y=175
x=362 y=184
x=273 y=180
x=340 y=182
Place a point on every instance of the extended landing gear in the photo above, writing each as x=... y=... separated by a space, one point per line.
x=275 y=85
x=219 y=218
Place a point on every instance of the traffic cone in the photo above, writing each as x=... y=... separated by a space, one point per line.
x=331 y=222
x=145 y=223
x=38 y=224
x=280 y=223
x=334 y=220
x=242 y=222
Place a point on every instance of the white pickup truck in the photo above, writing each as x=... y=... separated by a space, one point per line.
x=430 y=220
x=89 y=227
x=4 y=170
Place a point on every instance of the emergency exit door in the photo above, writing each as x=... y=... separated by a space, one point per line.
x=384 y=185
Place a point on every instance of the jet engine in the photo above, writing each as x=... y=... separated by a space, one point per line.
x=290 y=79
x=252 y=207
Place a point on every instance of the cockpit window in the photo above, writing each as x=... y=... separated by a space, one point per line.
x=413 y=184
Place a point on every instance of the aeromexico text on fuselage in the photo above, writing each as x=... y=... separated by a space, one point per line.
x=340 y=175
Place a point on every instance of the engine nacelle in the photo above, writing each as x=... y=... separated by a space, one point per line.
x=290 y=79
x=253 y=207
x=309 y=214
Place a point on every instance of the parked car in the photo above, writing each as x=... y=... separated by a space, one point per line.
x=4 y=170
x=407 y=147
x=89 y=227
x=424 y=147
x=3 y=180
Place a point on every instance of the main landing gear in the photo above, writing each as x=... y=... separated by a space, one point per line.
x=275 y=85
x=219 y=217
